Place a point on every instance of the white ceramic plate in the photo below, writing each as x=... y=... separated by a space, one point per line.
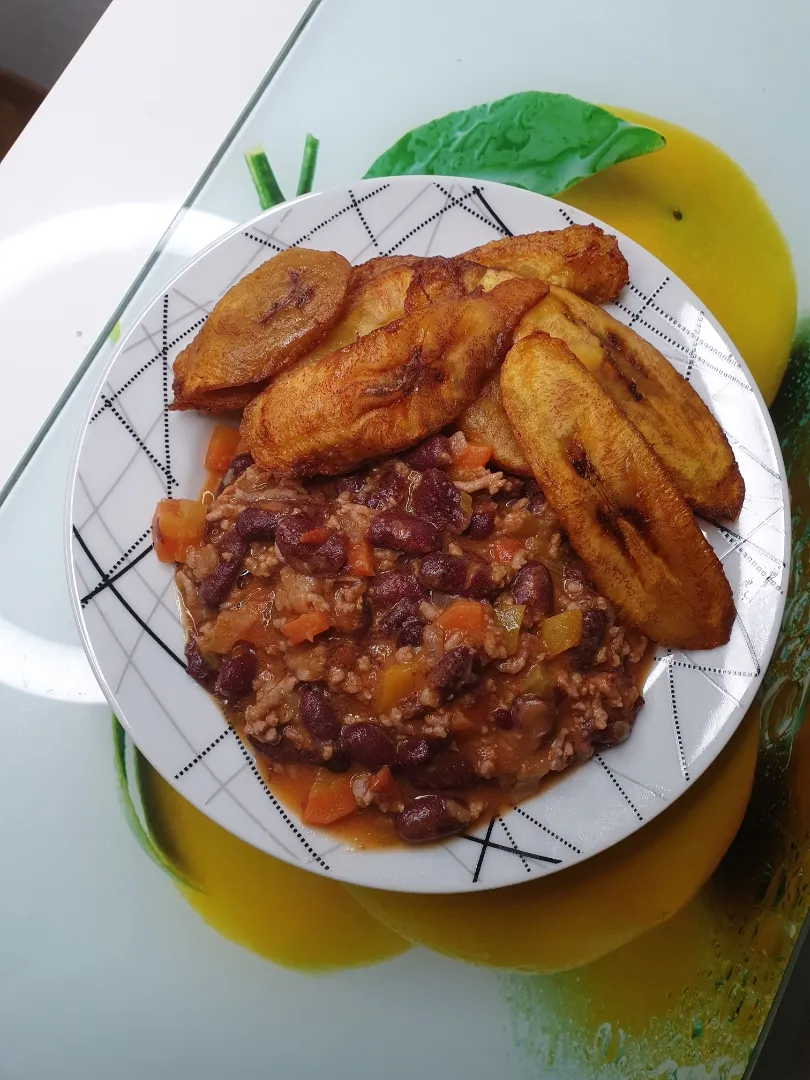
x=133 y=452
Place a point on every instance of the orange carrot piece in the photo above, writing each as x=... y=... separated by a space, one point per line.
x=360 y=557
x=466 y=616
x=330 y=798
x=177 y=525
x=314 y=536
x=503 y=551
x=221 y=448
x=305 y=627
x=208 y=492
x=472 y=456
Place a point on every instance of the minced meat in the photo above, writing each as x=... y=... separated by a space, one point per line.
x=407 y=626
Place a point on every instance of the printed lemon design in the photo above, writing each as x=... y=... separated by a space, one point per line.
x=697 y=211
x=578 y=915
x=287 y=915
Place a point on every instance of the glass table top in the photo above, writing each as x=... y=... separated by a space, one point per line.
x=133 y=980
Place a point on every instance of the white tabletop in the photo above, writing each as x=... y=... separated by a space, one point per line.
x=96 y=178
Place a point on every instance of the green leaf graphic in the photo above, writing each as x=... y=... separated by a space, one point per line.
x=535 y=140
x=136 y=826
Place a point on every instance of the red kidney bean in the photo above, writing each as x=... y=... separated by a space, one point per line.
x=317 y=712
x=459 y=669
x=195 y=662
x=239 y=464
x=388 y=588
x=447 y=573
x=329 y=558
x=257 y=524
x=325 y=559
x=533 y=587
x=531 y=710
x=537 y=503
x=289 y=530
x=404 y=532
x=352 y=483
x=481 y=524
x=594 y=624
x=369 y=744
x=396 y=617
x=388 y=489
x=480 y=583
x=237 y=671
x=410 y=633
x=425 y=818
x=502 y=718
x=448 y=769
x=413 y=751
x=431 y=454
x=339 y=762
x=575 y=579
x=215 y=588
x=437 y=499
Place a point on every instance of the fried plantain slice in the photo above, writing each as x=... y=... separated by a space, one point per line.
x=622 y=513
x=664 y=407
x=485 y=421
x=373 y=300
x=397 y=286
x=582 y=258
x=388 y=390
x=232 y=399
x=437 y=279
x=269 y=318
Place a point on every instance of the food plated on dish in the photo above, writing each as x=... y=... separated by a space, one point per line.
x=426 y=571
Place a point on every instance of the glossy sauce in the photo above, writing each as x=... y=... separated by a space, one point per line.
x=369 y=828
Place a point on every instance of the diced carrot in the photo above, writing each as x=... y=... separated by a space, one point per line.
x=504 y=550
x=221 y=448
x=360 y=557
x=177 y=525
x=382 y=780
x=314 y=536
x=472 y=456
x=208 y=492
x=466 y=616
x=305 y=627
x=396 y=680
x=330 y=798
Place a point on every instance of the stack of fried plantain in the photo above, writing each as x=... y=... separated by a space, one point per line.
x=335 y=365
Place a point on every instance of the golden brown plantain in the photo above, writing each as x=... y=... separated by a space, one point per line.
x=667 y=411
x=387 y=391
x=373 y=300
x=231 y=399
x=437 y=279
x=364 y=272
x=397 y=286
x=582 y=258
x=622 y=513
x=485 y=421
x=269 y=318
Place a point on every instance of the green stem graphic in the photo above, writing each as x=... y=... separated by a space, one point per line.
x=308 y=163
x=263 y=177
